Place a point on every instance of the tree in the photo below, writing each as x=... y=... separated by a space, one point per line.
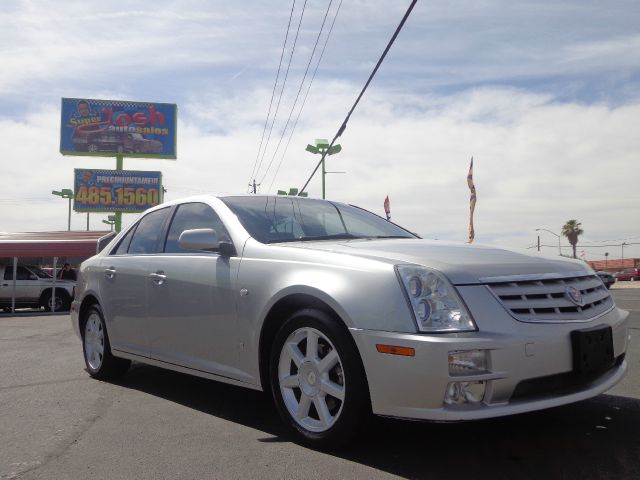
x=572 y=230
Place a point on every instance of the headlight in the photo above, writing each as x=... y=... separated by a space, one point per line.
x=435 y=304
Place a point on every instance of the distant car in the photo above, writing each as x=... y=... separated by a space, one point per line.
x=607 y=278
x=34 y=289
x=337 y=313
x=121 y=142
x=631 y=274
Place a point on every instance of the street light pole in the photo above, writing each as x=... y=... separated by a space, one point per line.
x=111 y=220
x=322 y=147
x=65 y=193
x=559 y=248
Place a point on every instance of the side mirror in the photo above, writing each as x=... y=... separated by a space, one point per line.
x=205 y=239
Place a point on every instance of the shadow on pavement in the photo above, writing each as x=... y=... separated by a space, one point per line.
x=598 y=438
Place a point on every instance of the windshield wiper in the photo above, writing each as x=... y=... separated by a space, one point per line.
x=338 y=236
x=390 y=236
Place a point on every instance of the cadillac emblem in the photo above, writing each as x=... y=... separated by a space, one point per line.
x=574 y=295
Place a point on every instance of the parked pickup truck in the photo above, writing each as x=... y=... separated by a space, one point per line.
x=34 y=288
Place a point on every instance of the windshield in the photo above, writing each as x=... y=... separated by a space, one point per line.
x=39 y=272
x=294 y=219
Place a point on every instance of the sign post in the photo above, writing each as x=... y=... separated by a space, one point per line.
x=118 y=224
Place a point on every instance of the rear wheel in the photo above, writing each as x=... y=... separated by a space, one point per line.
x=317 y=380
x=100 y=363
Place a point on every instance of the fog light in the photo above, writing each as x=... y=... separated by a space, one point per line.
x=469 y=362
x=459 y=393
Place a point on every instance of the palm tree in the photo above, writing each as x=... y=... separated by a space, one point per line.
x=572 y=230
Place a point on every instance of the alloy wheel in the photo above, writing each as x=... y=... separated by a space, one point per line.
x=94 y=341
x=311 y=379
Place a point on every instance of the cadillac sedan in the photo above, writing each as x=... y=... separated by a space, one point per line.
x=338 y=313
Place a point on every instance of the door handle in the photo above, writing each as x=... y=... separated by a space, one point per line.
x=110 y=272
x=158 y=277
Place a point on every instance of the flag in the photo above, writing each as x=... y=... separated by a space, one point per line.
x=472 y=201
x=387 y=207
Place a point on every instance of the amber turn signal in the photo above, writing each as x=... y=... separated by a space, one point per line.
x=396 y=350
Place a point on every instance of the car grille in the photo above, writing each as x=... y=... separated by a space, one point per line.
x=546 y=299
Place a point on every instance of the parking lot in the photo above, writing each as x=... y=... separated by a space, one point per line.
x=57 y=423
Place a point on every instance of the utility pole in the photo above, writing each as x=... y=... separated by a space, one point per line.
x=65 y=193
x=322 y=147
x=254 y=186
x=538 y=242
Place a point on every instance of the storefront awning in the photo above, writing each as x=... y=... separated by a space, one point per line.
x=53 y=244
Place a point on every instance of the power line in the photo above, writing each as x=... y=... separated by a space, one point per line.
x=580 y=245
x=304 y=100
x=295 y=41
x=344 y=123
x=273 y=93
x=295 y=102
x=614 y=240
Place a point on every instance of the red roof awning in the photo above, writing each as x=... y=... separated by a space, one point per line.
x=53 y=244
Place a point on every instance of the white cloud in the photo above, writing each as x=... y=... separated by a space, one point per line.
x=542 y=95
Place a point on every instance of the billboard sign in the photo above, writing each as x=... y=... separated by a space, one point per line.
x=116 y=190
x=107 y=128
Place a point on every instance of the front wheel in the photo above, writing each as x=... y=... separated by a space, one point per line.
x=100 y=363
x=317 y=380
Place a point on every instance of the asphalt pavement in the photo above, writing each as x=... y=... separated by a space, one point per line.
x=57 y=423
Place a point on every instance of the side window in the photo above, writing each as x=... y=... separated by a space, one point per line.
x=123 y=246
x=189 y=216
x=21 y=273
x=146 y=237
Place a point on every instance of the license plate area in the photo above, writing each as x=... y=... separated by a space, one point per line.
x=592 y=350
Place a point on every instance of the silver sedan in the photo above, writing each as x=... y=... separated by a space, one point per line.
x=339 y=313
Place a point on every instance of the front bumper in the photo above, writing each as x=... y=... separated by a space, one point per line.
x=529 y=367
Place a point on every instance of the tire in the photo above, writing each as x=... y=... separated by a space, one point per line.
x=63 y=301
x=96 y=349
x=328 y=387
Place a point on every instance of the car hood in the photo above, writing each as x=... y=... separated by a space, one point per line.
x=461 y=263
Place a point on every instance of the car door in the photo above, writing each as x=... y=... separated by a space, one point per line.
x=6 y=287
x=124 y=278
x=27 y=285
x=192 y=304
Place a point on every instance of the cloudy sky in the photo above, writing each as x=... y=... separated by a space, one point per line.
x=544 y=95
